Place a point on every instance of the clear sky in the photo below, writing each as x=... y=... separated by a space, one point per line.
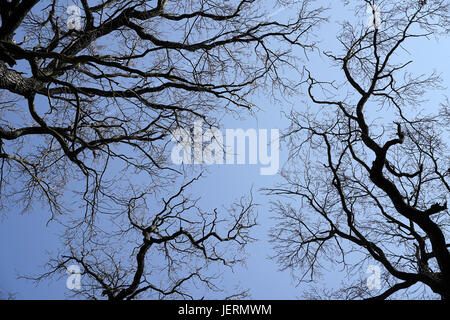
x=26 y=239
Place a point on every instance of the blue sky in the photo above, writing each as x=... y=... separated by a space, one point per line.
x=25 y=239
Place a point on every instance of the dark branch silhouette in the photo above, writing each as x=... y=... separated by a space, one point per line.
x=88 y=104
x=370 y=189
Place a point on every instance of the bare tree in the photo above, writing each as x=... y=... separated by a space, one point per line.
x=369 y=169
x=162 y=254
x=122 y=79
x=90 y=95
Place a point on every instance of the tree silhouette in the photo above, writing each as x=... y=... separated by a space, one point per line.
x=88 y=100
x=369 y=168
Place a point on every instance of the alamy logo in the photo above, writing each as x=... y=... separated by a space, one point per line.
x=73 y=281
x=374 y=20
x=374 y=280
x=209 y=147
x=74 y=20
